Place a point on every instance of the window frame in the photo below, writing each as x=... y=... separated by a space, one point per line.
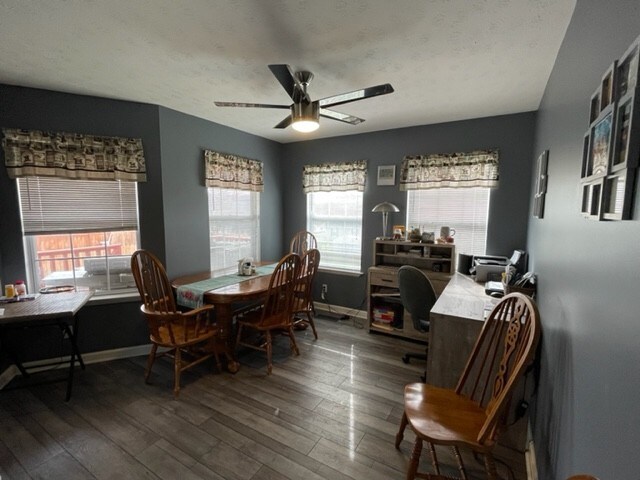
x=343 y=268
x=33 y=262
x=255 y=203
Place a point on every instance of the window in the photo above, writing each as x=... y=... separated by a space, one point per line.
x=335 y=218
x=464 y=209
x=234 y=227
x=79 y=232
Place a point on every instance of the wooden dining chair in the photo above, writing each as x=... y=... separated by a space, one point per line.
x=302 y=242
x=275 y=314
x=303 y=297
x=183 y=334
x=472 y=414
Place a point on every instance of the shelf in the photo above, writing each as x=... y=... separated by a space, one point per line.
x=382 y=285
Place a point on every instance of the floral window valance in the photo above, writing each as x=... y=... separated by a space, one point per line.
x=30 y=153
x=329 y=177
x=473 y=169
x=231 y=171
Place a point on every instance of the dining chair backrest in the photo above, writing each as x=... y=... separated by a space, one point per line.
x=302 y=242
x=308 y=269
x=278 y=303
x=503 y=351
x=152 y=282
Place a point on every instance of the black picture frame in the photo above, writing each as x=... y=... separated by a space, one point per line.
x=541 y=184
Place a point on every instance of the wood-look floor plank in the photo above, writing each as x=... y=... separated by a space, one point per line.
x=61 y=467
x=330 y=413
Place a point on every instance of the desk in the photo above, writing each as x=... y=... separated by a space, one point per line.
x=59 y=309
x=246 y=290
x=455 y=323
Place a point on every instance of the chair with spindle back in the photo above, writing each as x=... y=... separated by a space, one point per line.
x=183 y=333
x=472 y=414
x=303 y=300
x=275 y=314
x=302 y=242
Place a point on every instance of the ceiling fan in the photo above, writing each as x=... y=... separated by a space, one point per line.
x=304 y=116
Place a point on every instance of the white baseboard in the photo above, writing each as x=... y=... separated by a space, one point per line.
x=92 y=357
x=325 y=307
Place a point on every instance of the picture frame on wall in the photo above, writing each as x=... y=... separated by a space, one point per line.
x=386 y=175
x=541 y=184
x=601 y=144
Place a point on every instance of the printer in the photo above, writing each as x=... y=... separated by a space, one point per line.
x=489 y=267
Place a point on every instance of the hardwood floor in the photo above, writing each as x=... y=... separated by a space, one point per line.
x=331 y=413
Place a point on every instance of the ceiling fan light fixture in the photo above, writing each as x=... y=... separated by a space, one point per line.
x=305 y=117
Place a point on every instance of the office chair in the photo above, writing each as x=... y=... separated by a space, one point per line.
x=418 y=297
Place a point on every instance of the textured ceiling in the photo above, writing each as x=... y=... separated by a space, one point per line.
x=447 y=60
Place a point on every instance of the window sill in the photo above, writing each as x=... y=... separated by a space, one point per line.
x=335 y=271
x=114 y=298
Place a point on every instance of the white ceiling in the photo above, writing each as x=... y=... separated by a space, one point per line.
x=447 y=60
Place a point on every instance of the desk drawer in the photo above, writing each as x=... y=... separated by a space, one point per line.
x=385 y=279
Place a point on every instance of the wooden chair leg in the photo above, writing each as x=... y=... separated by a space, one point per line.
x=292 y=341
x=415 y=459
x=434 y=459
x=150 y=360
x=490 y=467
x=313 y=324
x=269 y=349
x=177 y=368
x=461 y=469
x=400 y=434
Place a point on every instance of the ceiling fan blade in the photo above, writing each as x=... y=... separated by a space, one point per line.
x=289 y=82
x=341 y=117
x=356 y=95
x=256 y=105
x=284 y=123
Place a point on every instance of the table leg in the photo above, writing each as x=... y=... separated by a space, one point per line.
x=72 y=334
x=224 y=317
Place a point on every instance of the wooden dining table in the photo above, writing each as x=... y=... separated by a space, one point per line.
x=226 y=301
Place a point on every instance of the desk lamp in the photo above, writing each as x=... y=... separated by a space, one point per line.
x=385 y=208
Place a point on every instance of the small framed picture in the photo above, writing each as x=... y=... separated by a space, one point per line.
x=387 y=175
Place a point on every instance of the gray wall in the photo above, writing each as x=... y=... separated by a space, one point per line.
x=183 y=139
x=509 y=203
x=587 y=414
x=172 y=203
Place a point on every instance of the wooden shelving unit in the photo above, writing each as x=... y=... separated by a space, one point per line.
x=385 y=311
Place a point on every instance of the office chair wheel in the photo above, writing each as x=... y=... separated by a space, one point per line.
x=405 y=358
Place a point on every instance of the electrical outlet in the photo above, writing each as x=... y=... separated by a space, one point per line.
x=324 y=291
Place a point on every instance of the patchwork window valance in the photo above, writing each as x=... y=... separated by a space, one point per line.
x=70 y=155
x=231 y=171
x=473 y=169
x=330 y=177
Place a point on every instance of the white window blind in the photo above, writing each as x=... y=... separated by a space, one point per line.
x=464 y=209
x=335 y=218
x=234 y=227
x=55 y=205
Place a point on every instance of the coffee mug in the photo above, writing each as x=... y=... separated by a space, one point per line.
x=446 y=232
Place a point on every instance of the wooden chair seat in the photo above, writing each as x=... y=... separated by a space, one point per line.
x=177 y=335
x=444 y=417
